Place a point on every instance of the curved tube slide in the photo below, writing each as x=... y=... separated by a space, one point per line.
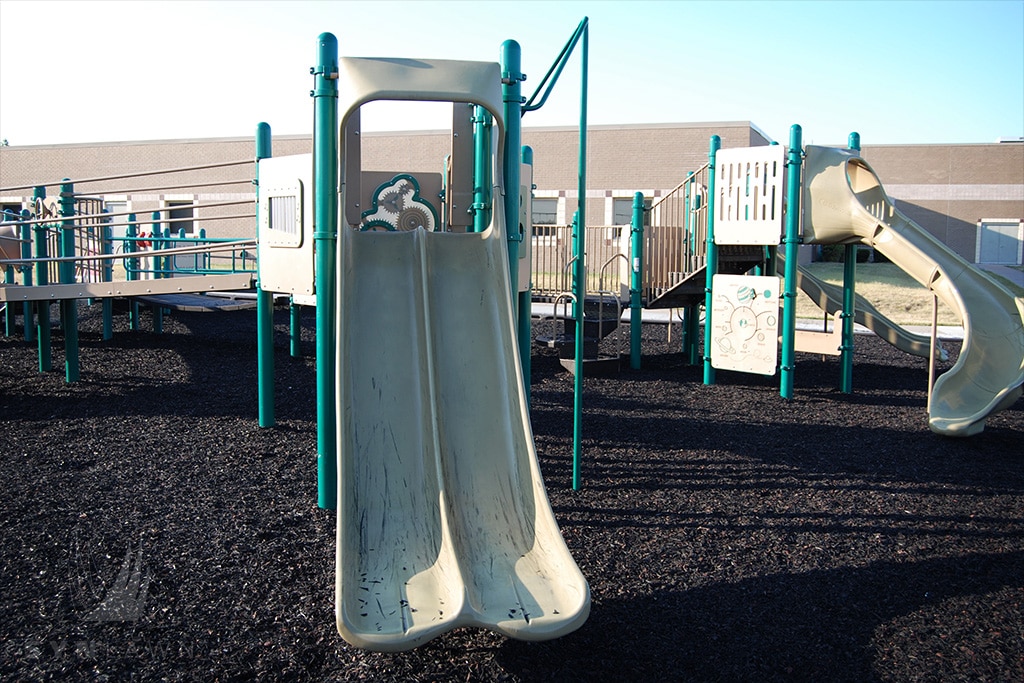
x=844 y=203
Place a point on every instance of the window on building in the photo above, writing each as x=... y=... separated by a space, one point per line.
x=545 y=210
x=181 y=217
x=622 y=211
x=118 y=224
x=10 y=211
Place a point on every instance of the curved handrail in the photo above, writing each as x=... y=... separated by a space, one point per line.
x=556 y=68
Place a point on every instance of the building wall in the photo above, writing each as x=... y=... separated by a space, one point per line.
x=948 y=189
x=945 y=188
x=48 y=164
x=622 y=160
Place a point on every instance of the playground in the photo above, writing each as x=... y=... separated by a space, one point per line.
x=502 y=489
x=725 y=534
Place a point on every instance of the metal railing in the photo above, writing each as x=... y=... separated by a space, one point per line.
x=675 y=246
x=551 y=252
x=675 y=243
x=138 y=255
x=185 y=255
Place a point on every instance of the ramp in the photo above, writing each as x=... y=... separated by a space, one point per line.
x=844 y=203
x=443 y=519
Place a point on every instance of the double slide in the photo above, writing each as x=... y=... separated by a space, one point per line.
x=844 y=203
x=443 y=519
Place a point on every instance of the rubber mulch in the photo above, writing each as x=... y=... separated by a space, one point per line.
x=727 y=534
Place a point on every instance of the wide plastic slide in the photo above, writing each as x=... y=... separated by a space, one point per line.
x=443 y=519
x=844 y=203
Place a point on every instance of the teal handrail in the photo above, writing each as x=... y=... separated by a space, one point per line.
x=556 y=69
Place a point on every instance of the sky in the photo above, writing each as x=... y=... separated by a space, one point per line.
x=897 y=72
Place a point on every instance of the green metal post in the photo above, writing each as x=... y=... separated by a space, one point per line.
x=691 y=314
x=325 y=235
x=481 y=169
x=295 y=329
x=10 y=319
x=712 y=259
x=69 y=307
x=524 y=324
x=512 y=99
x=107 y=248
x=43 y=278
x=9 y=316
x=636 y=250
x=157 y=269
x=131 y=269
x=849 y=303
x=264 y=305
x=689 y=211
x=579 y=270
x=791 y=242
x=26 y=276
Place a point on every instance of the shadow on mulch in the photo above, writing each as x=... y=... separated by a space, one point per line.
x=819 y=625
x=727 y=534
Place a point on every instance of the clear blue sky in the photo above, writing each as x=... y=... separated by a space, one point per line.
x=897 y=72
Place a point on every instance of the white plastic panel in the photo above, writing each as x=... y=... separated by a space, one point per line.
x=286 y=225
x=749 y=195
x=525 y=226
x=745 y=323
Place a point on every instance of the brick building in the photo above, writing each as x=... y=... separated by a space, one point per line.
x=969 y=196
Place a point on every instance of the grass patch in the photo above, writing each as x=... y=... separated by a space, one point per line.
x=893 y=292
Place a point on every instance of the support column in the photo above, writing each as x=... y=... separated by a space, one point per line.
x=42 y=278
x=28 y=308
x=295 y=329
x=264 y=304
x=524 y=325
x=157 y=264
x=711 y=259
x=108 y=275
x=481 y=169
x=512 y=98
x=131 y=269
x=580 y=270
x=325 y=237
x=791 y=241
x=636 y=248
x=68 y=307
x=849 y=303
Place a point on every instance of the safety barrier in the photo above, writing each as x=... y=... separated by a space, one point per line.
x=675 y=242
x=675 y=245
x=64 y=248
x=551 y=252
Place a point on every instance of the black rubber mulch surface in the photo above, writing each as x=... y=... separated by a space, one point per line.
x=152 y=531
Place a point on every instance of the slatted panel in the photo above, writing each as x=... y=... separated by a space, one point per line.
x=749 y=193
